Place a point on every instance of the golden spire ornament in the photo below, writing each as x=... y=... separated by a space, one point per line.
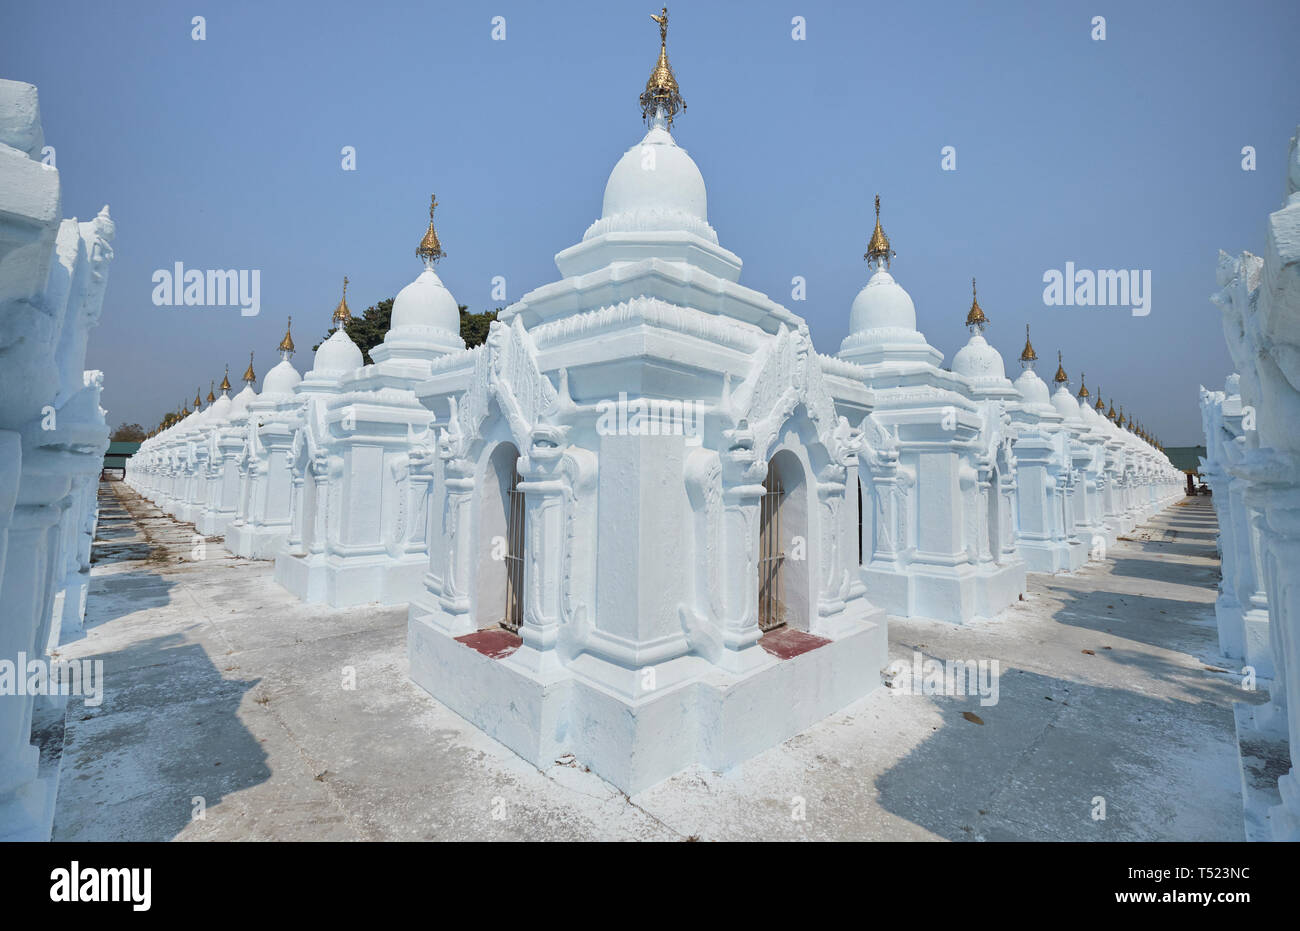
x=198 y=398
x=249 y=375
x=661 y=90
x=430 y=249
x=341 y=313
x=976 y=316
x=1110 y=414
x=1100 y=407
x=212 y=387
x=1083 y=387
x=1027 y=355
x=286 y=344
x=878 y=249
x=1060 y=377
x=225 y=380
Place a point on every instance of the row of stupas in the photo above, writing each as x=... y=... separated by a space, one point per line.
x=53 y=435
x=1252 y=466
x=646 y=522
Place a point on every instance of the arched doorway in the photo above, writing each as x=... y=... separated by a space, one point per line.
x=500 y=588
x=994 y=518
x=783 y=595
x=859 y=522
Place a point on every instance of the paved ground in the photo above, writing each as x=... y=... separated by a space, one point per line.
x=225 y=693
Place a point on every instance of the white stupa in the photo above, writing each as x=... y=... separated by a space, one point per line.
x=622 y=472
x=375 y=436
x=1043 y=464
x=929 y=544
x=261 y=525
x=993 y=519
x=316 y=474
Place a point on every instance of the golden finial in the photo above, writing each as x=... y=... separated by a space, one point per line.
x=1110 y=414
x=661 y=90
x=1119 y=421
x=1100 y=408
x=198 y=398
x=249 y=375
x=211 y=388
x=185 y=410
x=286 y=344
x=976 y=316
x=341 y=313
x=1060 y=377
x=878 y=248
x=1083 y=386
x=1027 y=355
x=225 y=381
x=430 y=249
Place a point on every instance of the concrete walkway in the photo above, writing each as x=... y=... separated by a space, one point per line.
x=226 y=696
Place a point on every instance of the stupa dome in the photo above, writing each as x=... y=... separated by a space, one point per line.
x=978 y=360
x=282 y=379
x=426 y=302
x=1065 y=403
x=219 y=410
x=239 y=403
x=338 y=354
x=882 y=303
x=1032 y=388
x=656 y=177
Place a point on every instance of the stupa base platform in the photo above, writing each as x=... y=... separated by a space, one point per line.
x=27 y=813
x=1045 y=557
x=999 y=585
x=305 y=576
x=954 y=594
x=212 y=524
x=356 y=580
x=699 y=714
x=1262 y=758
x=251 y=542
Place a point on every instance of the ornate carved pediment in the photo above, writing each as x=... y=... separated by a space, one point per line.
x=786 y=374
x=505 y=370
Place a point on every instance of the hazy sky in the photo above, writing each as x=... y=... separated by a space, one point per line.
x=226 y=153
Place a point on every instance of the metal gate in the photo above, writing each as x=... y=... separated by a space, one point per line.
x=771 y=554
x=514 y=558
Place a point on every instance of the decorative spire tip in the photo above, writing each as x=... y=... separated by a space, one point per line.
x=661 y=91
x=975 y=319
x=878 y=249
x=430 y=249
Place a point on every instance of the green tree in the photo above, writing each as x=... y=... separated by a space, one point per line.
x=474 y=327
x=128 y=433
x=368 y=329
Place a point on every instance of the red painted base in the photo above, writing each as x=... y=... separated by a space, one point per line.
x=786 y=642
x=494 y=642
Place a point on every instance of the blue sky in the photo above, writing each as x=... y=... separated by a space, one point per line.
x=225 y=153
